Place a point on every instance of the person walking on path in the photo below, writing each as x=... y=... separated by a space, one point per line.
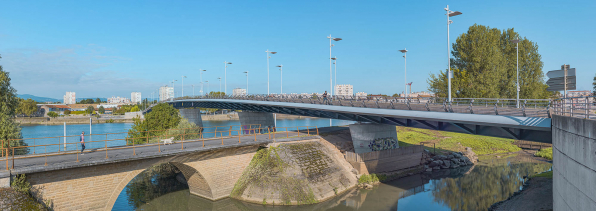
x=82 y=142
x=325 y=97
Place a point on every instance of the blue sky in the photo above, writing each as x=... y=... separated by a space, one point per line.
x=111 y=48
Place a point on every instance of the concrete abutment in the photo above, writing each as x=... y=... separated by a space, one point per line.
x=193 y=115
x=373 y=137
x=261 y=120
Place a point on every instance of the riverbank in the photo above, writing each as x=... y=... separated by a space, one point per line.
x=537 y=194
x=10 y=199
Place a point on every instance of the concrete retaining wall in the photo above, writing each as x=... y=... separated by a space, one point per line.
x=386 y=160
x=130 y=115
x=255 y=118
x=373 y=137
x=574 y=158
x=192 y=115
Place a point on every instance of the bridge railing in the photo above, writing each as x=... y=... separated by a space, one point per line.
x=580 y=107
x=132 y=140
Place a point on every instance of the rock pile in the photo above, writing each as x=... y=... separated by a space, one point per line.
x=453 y=160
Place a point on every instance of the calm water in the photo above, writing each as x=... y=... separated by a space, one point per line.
x=40 y=132
x=467 y=188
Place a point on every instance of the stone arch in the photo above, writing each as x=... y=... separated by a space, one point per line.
x=197 y=183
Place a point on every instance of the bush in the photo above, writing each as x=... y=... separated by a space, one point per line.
x=52 y=114
x=20 y=184
x=66 y=112
x=545 y=153
x=110 y=121
x=370 y=178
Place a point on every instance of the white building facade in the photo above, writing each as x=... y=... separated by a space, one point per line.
x=239 y=92
x=135 y=97
x=166 y=93
x=344 y=90
x=119 y=100
x=361 y=95
x=70 y=98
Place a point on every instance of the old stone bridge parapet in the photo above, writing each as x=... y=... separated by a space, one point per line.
x=211 y=173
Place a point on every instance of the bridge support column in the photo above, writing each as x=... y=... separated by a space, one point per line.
x=255 y=119
x=373 y=137
x=192 y=115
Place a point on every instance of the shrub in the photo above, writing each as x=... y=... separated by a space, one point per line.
x=370 y=178
x=545 y=153
x=66 y=112
x=20 y=184
x=52 y=114
x=110 y=121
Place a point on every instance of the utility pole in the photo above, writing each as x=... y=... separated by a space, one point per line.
x=226 y=63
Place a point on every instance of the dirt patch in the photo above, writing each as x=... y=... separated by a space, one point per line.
x=537 y=194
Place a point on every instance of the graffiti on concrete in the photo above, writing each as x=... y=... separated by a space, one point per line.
x=383 y=144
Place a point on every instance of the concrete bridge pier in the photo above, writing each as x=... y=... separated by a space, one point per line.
x=256 y=119
x=192 y=115
x=368 y=137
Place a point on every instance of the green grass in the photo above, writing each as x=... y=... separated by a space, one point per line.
x=545 y=153
x=548 y=174
x=371 y=178
x=451 y=141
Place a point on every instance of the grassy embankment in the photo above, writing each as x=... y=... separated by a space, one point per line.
x=545 y=153
x=454 y=142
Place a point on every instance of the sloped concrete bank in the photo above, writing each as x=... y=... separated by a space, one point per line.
x=296 y=173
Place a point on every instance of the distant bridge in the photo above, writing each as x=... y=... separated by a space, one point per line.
x=490 y=117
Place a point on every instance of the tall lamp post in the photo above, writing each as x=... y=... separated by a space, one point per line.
x=449 y=14
x=207 y=86
x=219 y=83
x=268 y=52
x=281 y=91
x=193 y=90
x=516 y=41
x=202 y=80
x=335 y=79
x=330 y=59
x=405 y=73
x=226 y=63
x=183 y=86
x=246 y=82
x=173 y=88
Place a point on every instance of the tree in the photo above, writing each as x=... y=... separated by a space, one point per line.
x=102 y=110
x=395 y=95
x=98 y=100
x=89 y=110
x=594 y=86
x=162 y=116
x=217 y=94
x=9 y=129
x=27 y=106
x=135 y=109
x=66 y=112
x=484 y=66
x=52 y=114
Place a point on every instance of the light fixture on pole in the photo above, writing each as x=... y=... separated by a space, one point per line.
x=174 y=89
x=268 y=52
x=193 y=90
x=225 y=76
x=335 y=79
x=183 y=86
x=330 y=71
x=516 y=41
x=281 y=91
x=405 y=73
x=449 y=74
x=219 y=83
x=202 y=80
x=207 y=86
x=246 y=82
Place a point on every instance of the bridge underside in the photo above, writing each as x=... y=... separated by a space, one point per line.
x=538 y=134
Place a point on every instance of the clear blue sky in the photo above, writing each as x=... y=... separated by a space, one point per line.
x=111 y=48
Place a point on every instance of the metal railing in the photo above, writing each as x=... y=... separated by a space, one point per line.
x=489 y=106
x=150 y=138
x=580 y=107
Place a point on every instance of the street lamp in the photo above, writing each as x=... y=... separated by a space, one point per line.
x=193 y=90
x=183 y=85
x=516 y=41
x=202 y=79
x=207 y=86
x=225 y=76
x=268 y=52
x=219 y=84
x=330 y=71
x=449 y=14
x=281 y=91
x=405 y=73
x=174 y=89
x=335 y=79
x=246 y=82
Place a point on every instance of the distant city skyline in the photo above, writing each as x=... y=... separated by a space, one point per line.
x=95 y=50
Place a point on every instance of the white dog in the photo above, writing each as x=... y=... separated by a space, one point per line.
x=168 y=141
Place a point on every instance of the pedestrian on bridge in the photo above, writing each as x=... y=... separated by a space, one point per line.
x=325 y=97
x=82 y=142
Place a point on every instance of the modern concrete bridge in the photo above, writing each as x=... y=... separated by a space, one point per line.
x=531 y=124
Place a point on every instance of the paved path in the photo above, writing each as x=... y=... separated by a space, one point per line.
x=64 y=160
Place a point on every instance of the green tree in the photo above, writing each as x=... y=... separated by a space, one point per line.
x=27 y=107
x=102 y=110
x=66 y=112
x=52 y=114
x=594 y=86
x=97 y=100
x=217 y=94
x=9 y=129
x=89 y=110
x=135 y=109
x=162 y=116
x=484 y=66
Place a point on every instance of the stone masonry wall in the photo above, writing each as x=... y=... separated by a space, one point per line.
x=574 y=158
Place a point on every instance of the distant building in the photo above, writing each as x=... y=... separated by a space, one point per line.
x=344 y=90
x=70 y=98
x=135 y=97
x=239 y=92
x=361 y=95
x=166 y=93
x=119 y=100
x=81 y=107
x=57 y=108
